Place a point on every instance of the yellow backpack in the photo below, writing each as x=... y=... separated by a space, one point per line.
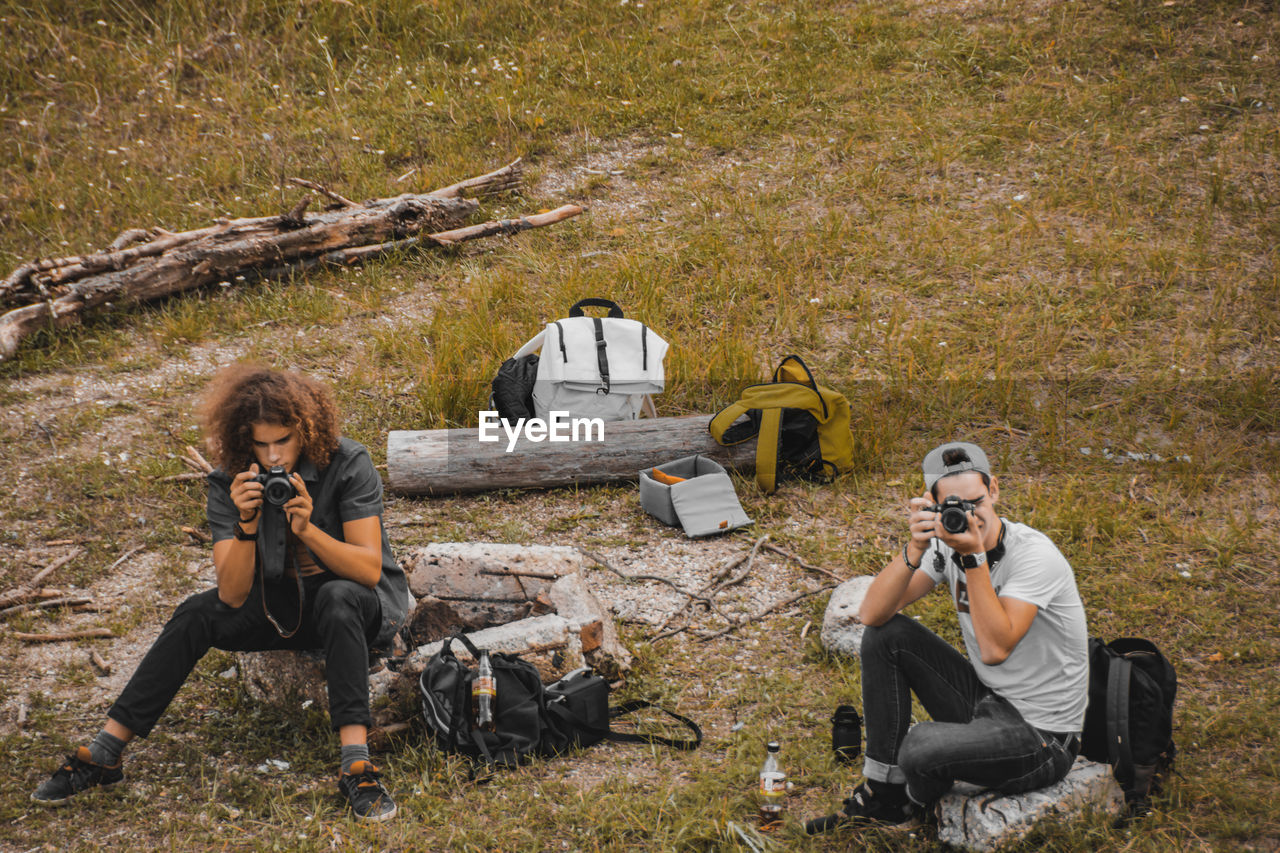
x=803 y=427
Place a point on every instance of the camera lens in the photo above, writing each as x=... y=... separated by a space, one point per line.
x=954 y=520
x=278 y=491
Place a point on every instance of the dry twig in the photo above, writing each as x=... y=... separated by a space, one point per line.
x=325 y=191
x=47 y=604
x=183 y=477
x=198 y=535
x=196 y=460
x=87 y=634
x=656 y=578
x=741 y=576
x=31 y=588
x=765 y=612
x=512 y=573
x=100 y=662
x=809 y=567
x=713 y=586
x=126 y=555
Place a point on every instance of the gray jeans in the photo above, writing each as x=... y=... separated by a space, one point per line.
x=975 y=735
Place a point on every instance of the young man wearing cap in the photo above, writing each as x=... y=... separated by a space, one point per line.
x=1009 y=716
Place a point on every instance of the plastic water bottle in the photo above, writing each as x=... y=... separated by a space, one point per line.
x=773 y=787
x=484 y=695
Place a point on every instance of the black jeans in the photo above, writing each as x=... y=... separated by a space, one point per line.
x=340 y=617
x=975 y=736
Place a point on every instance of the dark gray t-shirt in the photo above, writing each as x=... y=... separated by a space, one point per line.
x=347 y=490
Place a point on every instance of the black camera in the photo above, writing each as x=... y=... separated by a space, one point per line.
x=955 y=513
x=277 y=488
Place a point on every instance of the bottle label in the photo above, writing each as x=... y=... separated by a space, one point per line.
x=772 y=784
x=483 y=686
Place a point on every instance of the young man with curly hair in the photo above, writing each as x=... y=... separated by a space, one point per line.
x=302 y=562
x=1008 y=716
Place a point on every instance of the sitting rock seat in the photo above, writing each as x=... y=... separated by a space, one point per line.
x=973 y=818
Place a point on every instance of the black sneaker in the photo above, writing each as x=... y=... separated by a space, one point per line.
x=865 y=809
x=363 y=789
x=78 y=774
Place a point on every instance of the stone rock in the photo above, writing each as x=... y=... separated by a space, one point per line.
x=285 y=677
x=973 y=818
x=545 y=641
x=488 y=583
x=523 y=583
x=597 y=634
x=841 y=630
x=579 y=633
x=433 y=619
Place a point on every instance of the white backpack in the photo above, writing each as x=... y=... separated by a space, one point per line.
x=596 y=367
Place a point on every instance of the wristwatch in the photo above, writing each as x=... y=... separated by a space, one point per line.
x=245 y=537
x=972 y=561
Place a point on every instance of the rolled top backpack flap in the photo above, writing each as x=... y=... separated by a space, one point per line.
x=607 y=355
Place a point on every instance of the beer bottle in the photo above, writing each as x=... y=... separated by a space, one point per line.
x=484 y=695
x=773 y=787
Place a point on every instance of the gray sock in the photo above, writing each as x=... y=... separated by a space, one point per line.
x=351 y=753
x=106 y=749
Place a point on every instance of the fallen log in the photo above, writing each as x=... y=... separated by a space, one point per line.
x=454 y=461
x=145 y=265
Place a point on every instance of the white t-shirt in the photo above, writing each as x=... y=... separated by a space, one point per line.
x=1046 y=676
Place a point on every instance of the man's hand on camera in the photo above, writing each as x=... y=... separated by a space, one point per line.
x=967 y=542
x=922 y=523
x=246 y=494
x=299 y=509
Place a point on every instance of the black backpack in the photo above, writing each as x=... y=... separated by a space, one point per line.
x=525 y=728
x=1129 y=722
x=531 y=720
x=513 y=388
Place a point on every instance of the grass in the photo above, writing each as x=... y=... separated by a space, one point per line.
x=1048 y=227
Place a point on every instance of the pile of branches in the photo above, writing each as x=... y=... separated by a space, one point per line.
x=146 y=264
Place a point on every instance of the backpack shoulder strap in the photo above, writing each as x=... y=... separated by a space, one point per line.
x=767 y=449
x=630 y=737
x=1118 y=743
x=602 y=354
x=724 y=419
x=676 y=743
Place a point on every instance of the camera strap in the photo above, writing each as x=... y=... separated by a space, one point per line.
x=995 y=555
x=302 y=600
x=273 y=532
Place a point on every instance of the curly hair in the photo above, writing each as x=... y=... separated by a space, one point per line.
x=246 y=394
